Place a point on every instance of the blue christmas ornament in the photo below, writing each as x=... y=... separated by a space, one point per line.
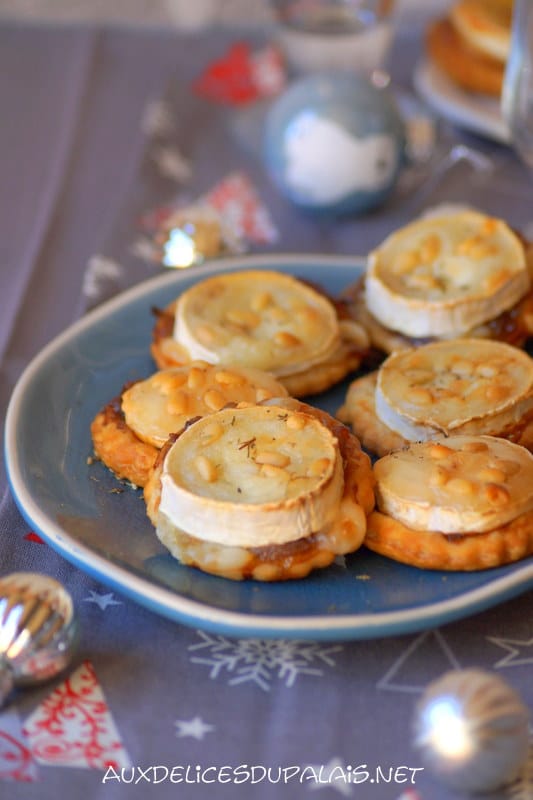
x=334 y=143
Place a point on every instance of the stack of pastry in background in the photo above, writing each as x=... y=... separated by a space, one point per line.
x=470 y=45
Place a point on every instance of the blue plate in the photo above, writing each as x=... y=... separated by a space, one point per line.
x=75 y=506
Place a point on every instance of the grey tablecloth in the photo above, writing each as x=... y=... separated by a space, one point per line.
x=74 y=175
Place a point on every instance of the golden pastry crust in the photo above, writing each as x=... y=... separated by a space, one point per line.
x=280 y=562
x=347 y=357
x=512 y=327
x=465 y=66
x=455 y=552
x=117 y=446
x=359 y=411
x=359 y=479
x=321 y=377
x=165 y=351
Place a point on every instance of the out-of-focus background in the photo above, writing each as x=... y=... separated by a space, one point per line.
x=182 y=13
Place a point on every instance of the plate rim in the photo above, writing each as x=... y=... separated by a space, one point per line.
x=472 y=119
x=166 y=601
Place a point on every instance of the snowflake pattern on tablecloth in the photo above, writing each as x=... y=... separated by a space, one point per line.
x=158 y=119
x=171 y=163
x=398 y=676
x=73 y=727
x=146 y=250
x=260 y=661
x=102 y=278
x=519 y=651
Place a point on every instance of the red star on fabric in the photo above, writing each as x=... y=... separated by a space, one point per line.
x=229 y=79
x=242 y=76
x=33 y=537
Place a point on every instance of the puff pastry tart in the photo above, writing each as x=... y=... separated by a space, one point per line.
x=267 y=492
x=462 y=503
x=462 y=274
x=129 y=431
x=262 y=319
x=462 y=386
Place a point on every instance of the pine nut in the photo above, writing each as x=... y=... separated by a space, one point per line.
x=272 y=458
x=475 y=248
x=463 y=367
x=214 y=399
x=286 y=339
x=260 y=301
x=417 y=376
x=430 y=248
x=206 y=334
x=318 y=467
x=167 y=382
x=423 y=281
x=228 y=378
x=486 y=371
x=475 y=447
x=212 y=432
x=296 y=422
x=439 y=451
x=496 y=392
x=498 y=495
x=178 y=403
x=506 y=465
x=420 y=397
x=195 y=378
x=271 y=471
x=492 y=475
x=490 y=225
x=205 y=468
x=262 y=394
x=307 y=314
x=460 y=486
x=406 y=262
x=247 y=319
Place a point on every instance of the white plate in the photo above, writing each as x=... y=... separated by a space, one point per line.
x=472 y=112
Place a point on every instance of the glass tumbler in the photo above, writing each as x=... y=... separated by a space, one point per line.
x=318 y=35
x=517 y=94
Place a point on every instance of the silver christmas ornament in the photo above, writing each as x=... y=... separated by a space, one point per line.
x=471 y=729
x=190 y=237
x=37 y=630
